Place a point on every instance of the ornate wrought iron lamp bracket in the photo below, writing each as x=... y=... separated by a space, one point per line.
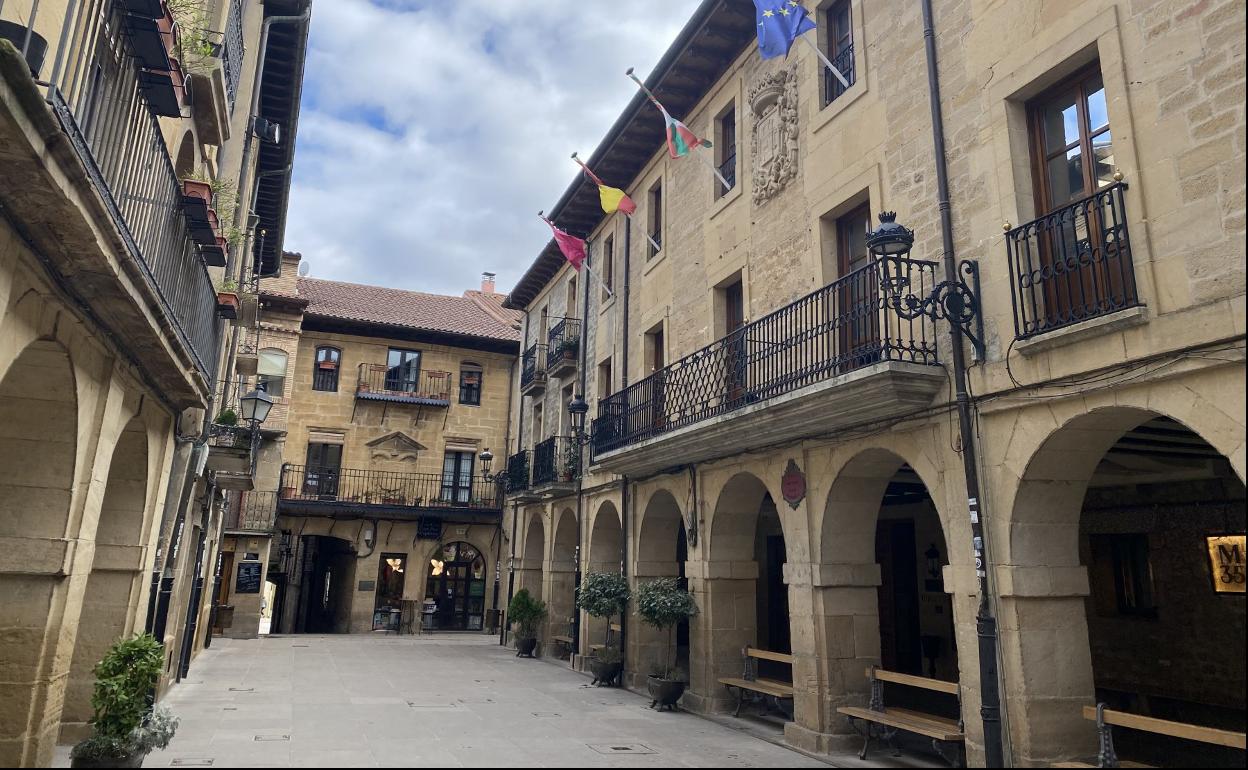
x=954 y=301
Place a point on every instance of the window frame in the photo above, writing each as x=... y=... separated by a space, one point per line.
x=726 y=128
x=319 y=380
x=654 y=200
x=465 y=368
x=1037 y=134
x=264 y=381
x=415 y=379
x=838 y=42
x=608 y=267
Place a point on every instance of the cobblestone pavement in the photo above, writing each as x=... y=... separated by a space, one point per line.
x=442 y=701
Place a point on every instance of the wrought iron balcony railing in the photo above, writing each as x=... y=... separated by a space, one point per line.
x=1072 y=264
x=533 y=366
x=108 y=74
x=832 y=86
x=379 y=382
x=518 y=471
x=565 y=341
x=728 y=170
x=557 y=459
x=844 y=326
x=388 y=489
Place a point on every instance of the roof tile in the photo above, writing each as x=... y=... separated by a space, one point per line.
x=475 y=314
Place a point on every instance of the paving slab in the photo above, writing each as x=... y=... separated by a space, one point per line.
x=435 y=701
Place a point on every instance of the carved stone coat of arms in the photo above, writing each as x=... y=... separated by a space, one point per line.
x=773 y=105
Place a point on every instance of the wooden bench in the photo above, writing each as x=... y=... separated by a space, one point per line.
x=881 y=721
x=760 y=689
x=565 y=646
x=1106 y=719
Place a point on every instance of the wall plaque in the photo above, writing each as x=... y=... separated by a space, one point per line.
x=793 y=485
x=1226 y=561
x=368 y=585
x=248 y=580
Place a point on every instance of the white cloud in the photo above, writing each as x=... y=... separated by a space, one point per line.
x=432 y=132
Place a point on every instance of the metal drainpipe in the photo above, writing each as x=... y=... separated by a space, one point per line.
x=624 y=518
x=515 y=507
x=986 y=623
x=498 y=550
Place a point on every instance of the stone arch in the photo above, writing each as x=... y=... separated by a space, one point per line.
x=1052 y=567
x=532 y=554
x=731 y=536
x=661 y=551
x=116 y=578
x=38 y=450
x=561 y=574
x=603 y=555
x=879 y=580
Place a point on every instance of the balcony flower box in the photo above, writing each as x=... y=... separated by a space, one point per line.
x=327 y=365
x=16 y=34
x=150 y=9
x=194 y=188
x=227 y=304
x=213 y=253
x=150 y=46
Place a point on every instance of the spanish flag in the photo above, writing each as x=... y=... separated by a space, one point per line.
x=613 y=199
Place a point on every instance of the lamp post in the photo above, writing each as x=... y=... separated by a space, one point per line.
x=254 y=407
x=578 y=408
x=956 y=301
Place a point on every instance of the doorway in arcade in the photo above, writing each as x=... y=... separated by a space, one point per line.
x=326 y=583
x=456 y=586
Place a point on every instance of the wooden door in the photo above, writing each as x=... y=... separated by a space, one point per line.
x=859 y=295
x=735 y=349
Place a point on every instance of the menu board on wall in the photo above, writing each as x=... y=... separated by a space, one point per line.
x=248 y=581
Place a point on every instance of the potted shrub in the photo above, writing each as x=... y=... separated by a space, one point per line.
x=227 y=300
x=662 y=603
x=571 y=465
x=526 y=615
x=604 y=595
x=227 y=417
x=126 y=727
x=568 y=349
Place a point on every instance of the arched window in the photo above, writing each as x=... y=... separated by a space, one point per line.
x=325 y=371
x=470 y=383
x=271 y=372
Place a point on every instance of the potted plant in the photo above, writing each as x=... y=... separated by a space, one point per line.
x=227 y=417
x=604 y=595
x=126 y=727
x=662 y=603
x=227 y=299
x=571 y=465
x=526 y=614
x=568 y=349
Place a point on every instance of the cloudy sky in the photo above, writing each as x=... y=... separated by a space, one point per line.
x=433 y=131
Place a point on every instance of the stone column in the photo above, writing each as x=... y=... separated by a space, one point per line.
x=1047 y=662
x=560 y=598
x=726 y=593
x=648 y=646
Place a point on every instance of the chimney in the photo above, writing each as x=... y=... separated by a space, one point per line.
x=487 y=283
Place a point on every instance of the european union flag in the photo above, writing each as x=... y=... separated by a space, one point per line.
x=779 y=24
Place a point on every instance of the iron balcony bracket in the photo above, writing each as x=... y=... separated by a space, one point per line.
x=956 y=301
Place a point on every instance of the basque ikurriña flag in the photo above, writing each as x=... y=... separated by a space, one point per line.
x=680 y=140
x=779 y=24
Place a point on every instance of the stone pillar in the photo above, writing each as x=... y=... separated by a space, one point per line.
x=807 y=728
x=1047 y=662
x=560 y=598
x=726 y=593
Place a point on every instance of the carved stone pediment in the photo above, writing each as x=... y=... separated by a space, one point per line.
x=773 y=106
x=395 y=446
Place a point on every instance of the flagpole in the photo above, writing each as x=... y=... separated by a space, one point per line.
x=826 y=61
x=598 y=181
x=708 y=163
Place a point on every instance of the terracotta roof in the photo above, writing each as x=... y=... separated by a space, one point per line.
x=465 y=315
x=493 y=304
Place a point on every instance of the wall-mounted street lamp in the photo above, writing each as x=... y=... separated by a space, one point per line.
x=487 y=460
x=578 y=408
x=957 y=301
x=255 y=406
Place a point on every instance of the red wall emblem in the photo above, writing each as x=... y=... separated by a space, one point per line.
x=793 y=485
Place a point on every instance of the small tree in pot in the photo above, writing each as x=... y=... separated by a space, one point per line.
x=662 y=603
x=127 y=727
x=604 y=595
x=526 y=614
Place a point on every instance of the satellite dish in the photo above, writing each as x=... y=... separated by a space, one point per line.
x=304 y=269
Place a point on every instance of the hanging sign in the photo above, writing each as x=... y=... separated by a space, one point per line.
x=793 y=485
x=1226 y=561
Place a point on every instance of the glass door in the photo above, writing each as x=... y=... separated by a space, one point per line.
x=320 y=479
x=391 y=575
x=403 y=370
x=456 y=586
x=457 y=477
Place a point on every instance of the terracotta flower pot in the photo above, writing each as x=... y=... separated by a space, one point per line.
x=227 y=304
x=193 y=188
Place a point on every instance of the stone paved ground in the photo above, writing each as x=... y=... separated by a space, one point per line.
x=443 y=701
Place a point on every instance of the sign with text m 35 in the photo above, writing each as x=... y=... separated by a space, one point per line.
x=1226 y=560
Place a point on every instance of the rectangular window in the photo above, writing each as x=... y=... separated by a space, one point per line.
x=470 y=385
x=457 y=477
x=320 y=479
x=271 y=372
x=325 y=375
x=1133 y=574
x=726 y=149
x=655 y=349
x=656 y=218
x=840 y=50
x=1072 y=146
x=604 y=382
x=403 y=370
x=608 y=266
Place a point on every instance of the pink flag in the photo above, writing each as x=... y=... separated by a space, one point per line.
x=573 y=248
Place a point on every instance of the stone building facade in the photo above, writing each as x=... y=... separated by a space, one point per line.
x=111 y=348
x=385 y=402
x=772 y=427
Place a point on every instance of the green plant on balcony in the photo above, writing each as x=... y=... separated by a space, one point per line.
x=567 y=348
x=227 y=417
x=195 y=46
x=570 y=467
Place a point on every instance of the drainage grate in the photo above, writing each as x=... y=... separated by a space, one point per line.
x=300 y=645
x=230 y=708
x=476 y=700
x=546 y=714
x=621 y=748
x=242 y=689
x=415 y=705
x=277 y=738
x=188 y=762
